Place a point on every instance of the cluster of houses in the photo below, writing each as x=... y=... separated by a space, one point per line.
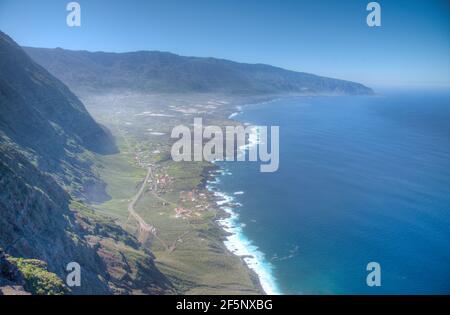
x=162 y=182
x=189 y=197
x=192 y=196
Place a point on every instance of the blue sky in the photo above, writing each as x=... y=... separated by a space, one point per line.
x=329 y=37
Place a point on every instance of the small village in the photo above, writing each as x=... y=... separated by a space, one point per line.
x=194 y=199
x=190 y=202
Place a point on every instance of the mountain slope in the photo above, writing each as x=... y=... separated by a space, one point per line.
x=47 y=140
x=49 y=106
x=162 y=72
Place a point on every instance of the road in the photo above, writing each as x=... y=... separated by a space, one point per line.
x=144 y=228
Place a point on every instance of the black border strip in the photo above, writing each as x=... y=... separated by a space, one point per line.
x=286 y=304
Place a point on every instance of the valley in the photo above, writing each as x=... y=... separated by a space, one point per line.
x=162 y=202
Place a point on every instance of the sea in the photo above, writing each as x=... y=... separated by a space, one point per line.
x=361 y=179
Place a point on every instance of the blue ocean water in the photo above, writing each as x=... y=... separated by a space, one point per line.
x=361 y=179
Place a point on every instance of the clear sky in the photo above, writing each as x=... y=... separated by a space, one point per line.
x=325 y=37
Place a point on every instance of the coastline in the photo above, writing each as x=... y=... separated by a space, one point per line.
x=235 y=240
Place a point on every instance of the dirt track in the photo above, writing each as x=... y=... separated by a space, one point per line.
x=144 y=228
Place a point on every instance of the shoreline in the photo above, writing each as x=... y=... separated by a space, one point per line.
x=235 y=240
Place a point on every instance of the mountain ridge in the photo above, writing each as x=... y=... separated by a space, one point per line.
x=166 y=72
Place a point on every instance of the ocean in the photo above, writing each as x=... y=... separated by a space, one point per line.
x=361 y=179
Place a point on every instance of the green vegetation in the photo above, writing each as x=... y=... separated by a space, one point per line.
x=197 y=261
x=122 y=176
x=38 y=280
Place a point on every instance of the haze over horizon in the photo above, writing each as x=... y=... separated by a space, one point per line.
x=329 y=39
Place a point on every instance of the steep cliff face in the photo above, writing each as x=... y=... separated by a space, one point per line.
x=36 y=221
x=47 y=141
x=54 y=115
x=39 y=115
x=39 y=220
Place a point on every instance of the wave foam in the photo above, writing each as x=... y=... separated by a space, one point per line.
x=239 y=244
